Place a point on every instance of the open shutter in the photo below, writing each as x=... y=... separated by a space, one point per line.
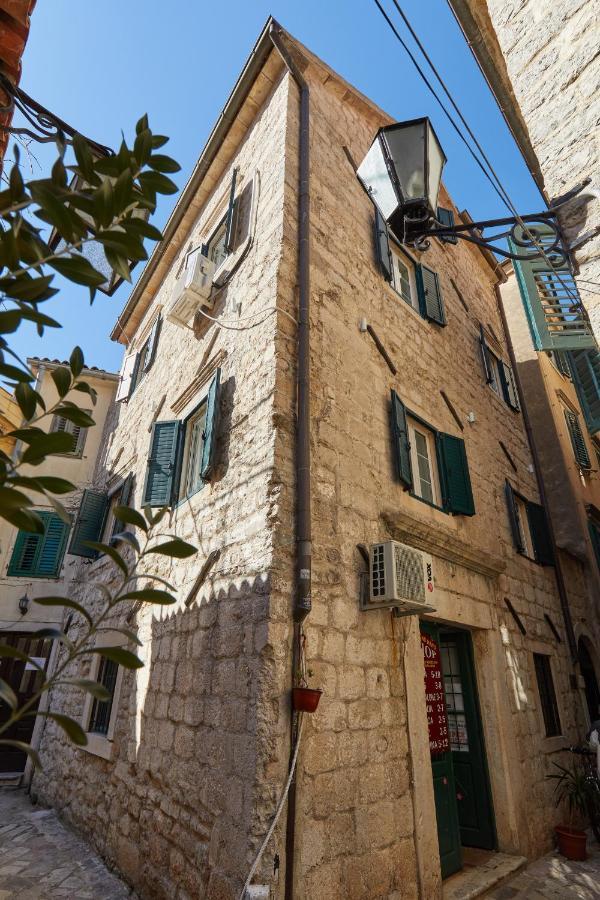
x=401 y=441
x=540 y=534
x=53 y=547
x=162 y=460
x=127 y=372
x=485 y=357
x=382 y=246
x=25 y=553
x=594 y=531
x=446 y=218
x=562 y=363
x=126 y=491
x=430 y=295
x=513 y=518
x=230 y=221
x=585 y=370
x=89 y=523
x=509 y=387
x=211 y=426
x=580 y=450
x=153 y=343
x=455 y=478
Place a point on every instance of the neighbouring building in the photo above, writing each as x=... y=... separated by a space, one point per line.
x=405 y=767
x=541 y=61
x=33 y=565
x=10 y=418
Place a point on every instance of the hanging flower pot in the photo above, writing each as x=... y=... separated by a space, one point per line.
x=571 y=842
x=306 y=699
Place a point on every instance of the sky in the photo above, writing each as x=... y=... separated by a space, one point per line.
x=100 y=66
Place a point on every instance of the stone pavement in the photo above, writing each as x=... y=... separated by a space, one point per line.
x=40 y=859
x=555 y=878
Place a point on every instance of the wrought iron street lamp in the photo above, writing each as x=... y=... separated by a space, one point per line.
x=402 y=174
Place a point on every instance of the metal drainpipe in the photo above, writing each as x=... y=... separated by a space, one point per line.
x=302 y=601
x=560 y=582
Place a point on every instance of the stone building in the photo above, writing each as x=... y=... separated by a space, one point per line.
x=541 y=61
x=408 y=441
x=10 y=418
x=34 y=565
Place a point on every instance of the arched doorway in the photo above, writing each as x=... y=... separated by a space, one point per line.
x=592 y=691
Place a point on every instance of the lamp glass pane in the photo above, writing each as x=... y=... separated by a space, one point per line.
x=437 y=160
x=407 y=148
x=374 y=175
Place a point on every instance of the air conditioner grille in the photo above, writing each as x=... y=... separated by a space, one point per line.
x=378 y=572
x=409 y=573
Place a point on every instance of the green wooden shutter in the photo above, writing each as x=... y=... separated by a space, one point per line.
x=231 y=209
x=431 y=303
x=555 y=314
x=454 y=475
x=162 y=463
x=513 y=518
x=25 y=552
x=134 y=375
x=562 y=362
x=585 y=370
x=126 y=491
x=40 y=555
x=594 y=532
x=153 y=343
x=485 y=357
x=509 y=387
x=211 y=426
x=540 y=534
x=401 y=441
x=446 y=218
x=580 y=450
x=382 y=246
x=89 y=523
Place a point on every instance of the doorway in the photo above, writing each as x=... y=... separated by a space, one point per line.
x=25 y=679
x=459 y=767
x=592 y=692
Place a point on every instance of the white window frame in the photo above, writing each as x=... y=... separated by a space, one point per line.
x=415 y=428
x=102 y=744
x=69 y=428
x=114 y=497
x=401 y=259
x=185 y=489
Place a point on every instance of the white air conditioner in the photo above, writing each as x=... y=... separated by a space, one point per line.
x=192 y=289
x=399 y=576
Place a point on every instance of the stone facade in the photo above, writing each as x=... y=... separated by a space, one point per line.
x=182 y=798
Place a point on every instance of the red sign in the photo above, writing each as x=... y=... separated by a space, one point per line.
x=437 y=719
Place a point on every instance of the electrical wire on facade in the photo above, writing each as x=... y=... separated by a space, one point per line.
x=232 y=326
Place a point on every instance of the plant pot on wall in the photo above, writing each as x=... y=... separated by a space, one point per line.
x=306 y=699
x=571 y=842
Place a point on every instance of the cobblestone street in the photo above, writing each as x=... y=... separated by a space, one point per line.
x=40 y=859
x=555 y=878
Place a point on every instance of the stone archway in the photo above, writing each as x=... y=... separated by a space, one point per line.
x=588 y=670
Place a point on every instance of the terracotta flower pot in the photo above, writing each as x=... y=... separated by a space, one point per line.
x=571 y=842
x=306 y=699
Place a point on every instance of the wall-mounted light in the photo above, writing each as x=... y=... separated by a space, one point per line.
x=24 y=604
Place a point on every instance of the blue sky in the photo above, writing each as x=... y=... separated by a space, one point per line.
x=100 y=66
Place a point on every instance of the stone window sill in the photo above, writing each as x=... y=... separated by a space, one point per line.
x=99 y=745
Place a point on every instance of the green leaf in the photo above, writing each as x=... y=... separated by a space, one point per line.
x=110 y=552
x=53 y=484
x=8 y=695
x=128 y=537
x=128 y=245
x=10 y=320
x=142 y=147
x=141 y=124
x=163 y=163
x=83 y=155
x=75 y=414
x=48 y=445
x=14 y=653
x=118 y=262
x=72 y=729
x=142 y=228
x=123 y=191
x=78 y=270
x=59 y=509
x=158 y=183
x=149 y=595
x=94 y=688
x=176 y=548
x=104 y=206
x=27 y=400
x=25 y=519
x=130 y=516
x=24 y=287
x=159 y=140
x=52 y=209
x=53 y=634
x=153 y=518
x=76 y=362
x=24 y=748
x=66 y=602
x=120 y=655
x=14 y=374
x=85 y=388
x=27 y=435
x=15 y=184
x=10 y=498
x=130 y=635
x=62 y=379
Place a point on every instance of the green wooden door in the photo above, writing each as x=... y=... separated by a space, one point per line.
x=441 y=755
x=473 y=796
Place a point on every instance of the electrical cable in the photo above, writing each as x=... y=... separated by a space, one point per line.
x=229 y=326
x=280 y=805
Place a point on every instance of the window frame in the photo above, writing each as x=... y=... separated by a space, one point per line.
x=102 y=744
x=416 y=425
x=398 y=255
x=184 y=450
x=575 y=423
x=14 y=571
x=548 y=698
x=523 y=526
x=221 y=225
x=70 y=428
x=115 y=497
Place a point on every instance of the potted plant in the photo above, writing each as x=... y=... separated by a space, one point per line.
x=572 y=787
x=304 y=698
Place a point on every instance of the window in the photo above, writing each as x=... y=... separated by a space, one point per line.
x=137 y=364
x=529 y=527
x=182 y=452
x=89 y=523
x=498 y=374
x=580 y=450
x=585 y=368
x=101 y=709
x=119 y=496
x=215 y=248
x=543 y=674
x=430 y=464
x=594 y=532
x=40 y=555
x=79 y=434
x=559 y=360
x=403 y=277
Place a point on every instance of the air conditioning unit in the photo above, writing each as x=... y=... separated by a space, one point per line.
x=192 y=289
x=399 y=576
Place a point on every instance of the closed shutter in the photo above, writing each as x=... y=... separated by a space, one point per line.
x=153 y=343
x=211 y=426
x=430 y=295
x=540 y=534
x=580 y=450
x=485 y=357
x=126 y=491
x=594 y=531
x=231 y=211
x=162 y=460
x=562 y=362
x=382 y=246
x=513 y=518
x=585 y=369
x=446 y=218
x=40 y=555
x=89 y=523
x=454 y=475
x=401 y=441
x=509 y=387
x=127 y=372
